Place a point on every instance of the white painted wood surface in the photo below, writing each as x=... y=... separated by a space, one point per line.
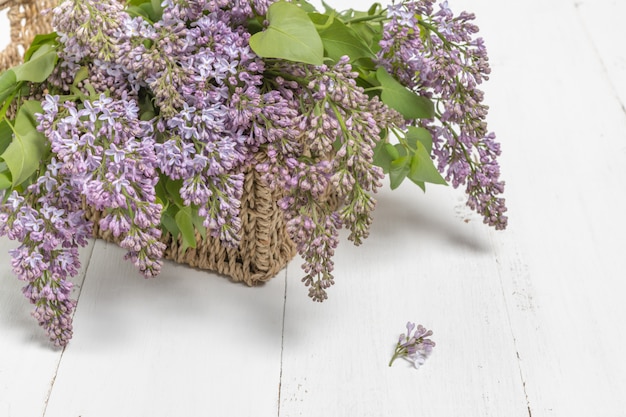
x=528 y=322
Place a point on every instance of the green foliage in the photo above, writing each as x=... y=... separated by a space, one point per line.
x=179 y=220
x=40 y=65
x=422 y=168
x=5 y=176
x=8 y=85
x=28 y=146
x=419 y=134
x=168 y=221
x=291 y=35
x=305 y=5
x=340 y=39
x=38 y=42
x=184 y=222
x=400 y=167
x=400 y=98
x=409 y=159
x=6 y=136
x=151 y=10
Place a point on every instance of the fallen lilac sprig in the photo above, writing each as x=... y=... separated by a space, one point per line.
x=415 y=348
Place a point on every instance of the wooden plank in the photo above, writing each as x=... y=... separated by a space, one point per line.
x=559 y=265
x=602 y=21
x=28 y=362
x=186 y=343
x=561 y=262
x=422 y=263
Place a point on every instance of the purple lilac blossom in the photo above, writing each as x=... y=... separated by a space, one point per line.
x=217 y=98
x=414 y=345
x=50 y=225
x=436 y=54
x=109 y=154
x=326 y=155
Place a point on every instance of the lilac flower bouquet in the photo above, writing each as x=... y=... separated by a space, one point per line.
x=150 y=112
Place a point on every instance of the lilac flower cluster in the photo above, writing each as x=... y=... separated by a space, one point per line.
x=182 y=107
x=90 y=32
x=436 y=54
x=50 y=225
x=109 y=154
x=205 y=84
x=325 y=163
x=415 y=347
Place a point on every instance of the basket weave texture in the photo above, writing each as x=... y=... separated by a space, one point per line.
x=265 y=246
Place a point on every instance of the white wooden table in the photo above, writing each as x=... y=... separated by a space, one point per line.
x=528 y=322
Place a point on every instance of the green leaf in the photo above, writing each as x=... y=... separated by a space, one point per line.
x=304 y=5
x=146 y=108
x=421 y=135
x=381 y=157
x=158 y=9
x=5 y=177
x=339 y=39
x=81 y=75
x=290 y=35
x=370 y=34
x=23 y=156
x=26 y=119
x=184 y=221
x=198 y=223
x=399 y=170
x=6 y=136
x=161 y=193
x=398 y=97
x=150 y=10
x=385 y=154
x=38 y=42
x=169 y=223
x=173 y=191
x=39 y=67
x=136 y=11
x=8 y=84
x=422 y=168
x=374 y=9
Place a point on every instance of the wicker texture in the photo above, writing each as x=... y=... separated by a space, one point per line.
x=265 y=246
x=27 y=20
x=264 y=250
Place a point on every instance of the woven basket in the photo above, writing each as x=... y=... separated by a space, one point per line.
x=265 y=246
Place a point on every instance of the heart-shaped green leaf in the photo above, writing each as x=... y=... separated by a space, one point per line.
x=290 y=35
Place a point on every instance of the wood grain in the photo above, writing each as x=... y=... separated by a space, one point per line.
x=28 y=362
x=183 y=344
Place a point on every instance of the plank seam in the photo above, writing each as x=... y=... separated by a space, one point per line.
x=282 y=344
x=56 y=371
x=510 y=324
